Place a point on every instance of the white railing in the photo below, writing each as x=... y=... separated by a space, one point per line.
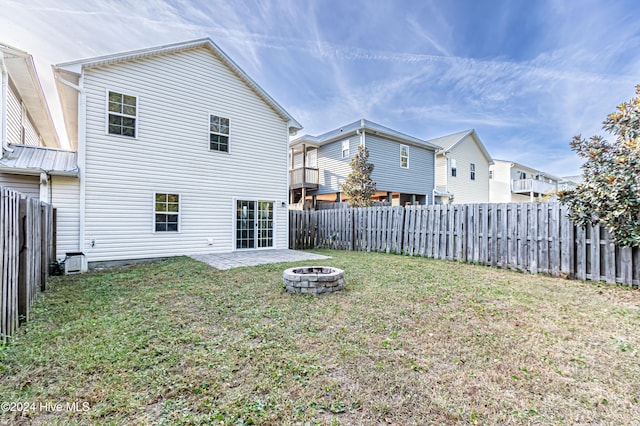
x=532 y=185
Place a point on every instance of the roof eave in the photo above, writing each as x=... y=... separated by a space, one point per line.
x=31 y=93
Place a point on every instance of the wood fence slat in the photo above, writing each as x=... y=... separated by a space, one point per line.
x=610 y=259
x=581 y=254
x=554 y=237
x=596 y=248
x=626 y=265
x=493 y=231
x=543 y=240
x=436 y=232
x=512 y=242
x=532 y=236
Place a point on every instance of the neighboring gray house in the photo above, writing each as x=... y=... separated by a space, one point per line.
x=404 y=165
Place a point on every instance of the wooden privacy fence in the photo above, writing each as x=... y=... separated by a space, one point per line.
x=531 y=237
x=26 y=247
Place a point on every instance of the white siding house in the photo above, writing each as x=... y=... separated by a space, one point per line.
x=462 y=169
x=27 y=133
x=512 y=182
x=180 y=152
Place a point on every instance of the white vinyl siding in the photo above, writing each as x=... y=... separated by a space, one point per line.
x=169 y=154
x=14 y=118
x=25 y=184
x=65 y=197
x=464 y=189
x=31 y=136
x=20 y=128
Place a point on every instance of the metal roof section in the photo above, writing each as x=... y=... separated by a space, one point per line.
x=369 y=127
x=33 y=160
x=530 y=169
x=23 y=75
x=74 y=68
x=449 y=142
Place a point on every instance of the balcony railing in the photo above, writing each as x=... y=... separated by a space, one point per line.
x=527 y=186
x=303 y=177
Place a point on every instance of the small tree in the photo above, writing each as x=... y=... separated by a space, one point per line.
x=610 y=191
x=359 y=187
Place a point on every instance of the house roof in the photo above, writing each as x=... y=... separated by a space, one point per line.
x=449 y=142
x=33 y=160
x=530 y=169
x=23 y=75
x=71 y=71
x=366 y=125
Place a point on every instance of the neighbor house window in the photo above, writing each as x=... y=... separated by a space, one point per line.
x=454 y=167
x=218 y=133
x=167 y=212
x=123 y=114
x=472 y=168
x=490 y=174
x=345 y=148
x=404 y=156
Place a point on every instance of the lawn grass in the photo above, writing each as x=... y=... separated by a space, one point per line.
x=409 y=341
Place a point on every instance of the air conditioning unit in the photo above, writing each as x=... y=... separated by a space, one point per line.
x=75 y=263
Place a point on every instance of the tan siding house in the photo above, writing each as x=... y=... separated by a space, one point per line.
x=462 y=169
x=180 y=152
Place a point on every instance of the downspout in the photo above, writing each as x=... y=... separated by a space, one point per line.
x=4 y=106
x=447 y=170
x=82 y=152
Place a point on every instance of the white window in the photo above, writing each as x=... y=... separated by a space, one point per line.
x=404 y=156
x=122 y=115
x=490 y=174
x=522 y=175
x=345 y=148
x=454 y=167
x=167 y=212
x=472 y=168
x=218 y=133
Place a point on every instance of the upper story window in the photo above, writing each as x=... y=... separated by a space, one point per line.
x=454 y=167
x=522 y=175
x=345 y=148
x=490 y=174
x=404 y=156
x=167 y=212
x=123 y=114
x=218 y=133
x=472 y=169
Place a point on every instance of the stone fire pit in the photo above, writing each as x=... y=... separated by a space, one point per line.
x=313 y=279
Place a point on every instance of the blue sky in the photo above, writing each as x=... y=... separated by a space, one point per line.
x=527 y=75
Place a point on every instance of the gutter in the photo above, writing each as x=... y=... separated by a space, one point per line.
x=82 y=152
